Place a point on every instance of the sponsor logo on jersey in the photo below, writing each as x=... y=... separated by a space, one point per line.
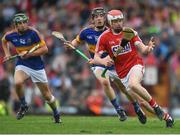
x=89 y=37
x=22 y=41
x=119 y=50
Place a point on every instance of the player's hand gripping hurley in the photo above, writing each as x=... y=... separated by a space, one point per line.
x=61 y=37
x=18 y=55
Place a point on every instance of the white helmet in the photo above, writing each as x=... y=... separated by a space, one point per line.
x=113 y=15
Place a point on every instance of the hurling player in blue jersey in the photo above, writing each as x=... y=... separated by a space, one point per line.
x=90 y=36
x=23 y=38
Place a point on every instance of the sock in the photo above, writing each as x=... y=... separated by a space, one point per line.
x=54 y=108
x=55 y=111
x=116 y=104
x=23 y=101
x=52 y=104
x=136 y=106
x=153 y=103
x=166 y=116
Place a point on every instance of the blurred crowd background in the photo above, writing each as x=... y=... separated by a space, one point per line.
x=72 y=82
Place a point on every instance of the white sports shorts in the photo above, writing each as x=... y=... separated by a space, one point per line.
x=135 y=68
x=36 y=75
x=109 y=72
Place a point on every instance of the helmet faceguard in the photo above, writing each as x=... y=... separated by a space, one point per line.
x=20 y=17
x=98 y=11
x=114 y=15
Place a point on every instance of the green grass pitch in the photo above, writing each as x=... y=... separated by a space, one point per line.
x=84 y=125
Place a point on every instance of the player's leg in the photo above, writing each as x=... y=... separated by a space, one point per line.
x=40 y=79
x=141 y=115
x=135 y=79
x=50 y=99
x=110 y=93
x=19 y=77
x=142 y=102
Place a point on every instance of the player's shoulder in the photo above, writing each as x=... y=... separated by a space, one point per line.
x=11 y=32
x=87 y=29
x=32 y=29
x=9 y=35
x=35 y=32
x=105 y=33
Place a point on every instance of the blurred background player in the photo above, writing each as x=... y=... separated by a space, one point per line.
x=90 y=36
x=23 y=38
x=129 y=65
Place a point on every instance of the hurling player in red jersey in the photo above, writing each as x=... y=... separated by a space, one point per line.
x=128 y=64
x=90 y=35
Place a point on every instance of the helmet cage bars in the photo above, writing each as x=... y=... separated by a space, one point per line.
x=114 y=15
x=19 y=18
x=98 y=11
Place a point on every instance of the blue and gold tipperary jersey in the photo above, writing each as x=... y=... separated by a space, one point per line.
x=90 y=36
x=24 y=42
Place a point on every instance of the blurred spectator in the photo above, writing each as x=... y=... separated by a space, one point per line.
x=4 y=88
x=175 y=78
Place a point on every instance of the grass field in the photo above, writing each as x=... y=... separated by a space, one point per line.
x=84 y=125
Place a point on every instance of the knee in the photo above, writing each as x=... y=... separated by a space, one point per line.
x=18 y=83
x=105 y=83
x=132 y=85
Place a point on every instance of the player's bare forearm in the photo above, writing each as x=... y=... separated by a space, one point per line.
x=5 y=49
x=40 y=51
x=145 y=49
x=97 y=59
x=75 y=43
x=107 y=61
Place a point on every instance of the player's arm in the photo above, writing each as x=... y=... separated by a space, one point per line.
x=5 y=47
x=100 y=49
x=107 y=61
x=75 y=42
x=78 y=40
x=145 y=49
x=41 y=50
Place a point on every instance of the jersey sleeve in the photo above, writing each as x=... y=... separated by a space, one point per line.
x=6 y=38
x=100 y=47
x=136 y=40
x=38 y=38
x=81 y=36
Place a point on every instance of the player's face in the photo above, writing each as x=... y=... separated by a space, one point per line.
x=117 y=25
x=99 y=20
x=21 y=26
